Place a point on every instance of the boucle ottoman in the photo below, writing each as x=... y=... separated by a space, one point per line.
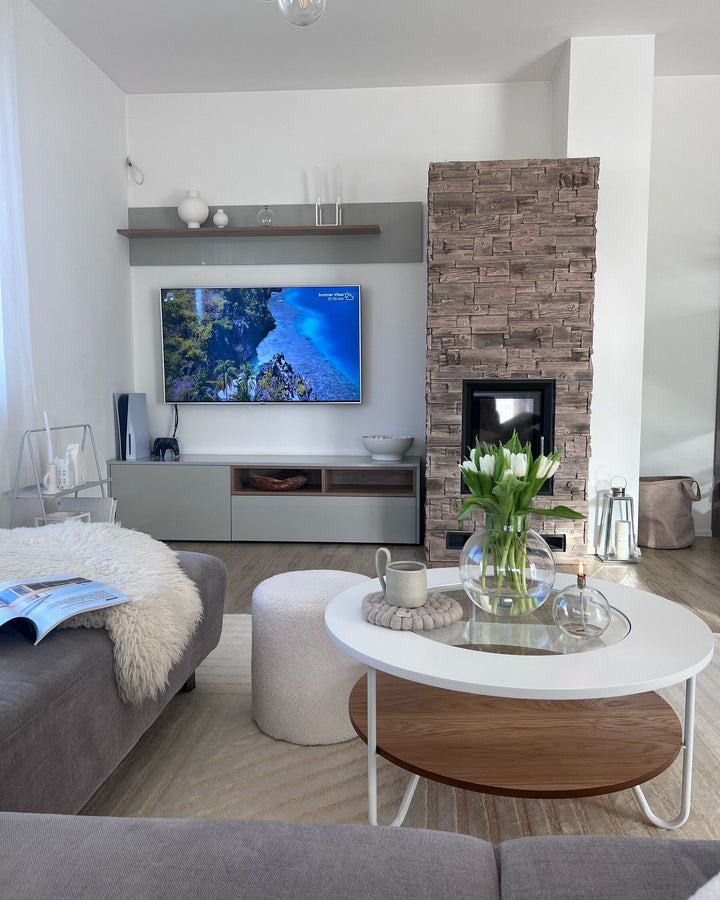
x=301 y=681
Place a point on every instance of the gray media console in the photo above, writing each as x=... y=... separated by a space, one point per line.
x=209 y=498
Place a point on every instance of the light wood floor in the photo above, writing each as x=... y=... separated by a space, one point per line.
x=690 y=576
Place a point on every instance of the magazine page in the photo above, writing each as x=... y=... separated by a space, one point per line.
x=7 y=614
x=48 y=601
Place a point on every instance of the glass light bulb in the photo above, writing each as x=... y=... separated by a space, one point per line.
x=302 y=12
x=265 y=216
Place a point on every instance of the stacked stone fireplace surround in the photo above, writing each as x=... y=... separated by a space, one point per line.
x=511 y=264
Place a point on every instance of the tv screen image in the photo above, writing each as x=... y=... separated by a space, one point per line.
x=261 y=344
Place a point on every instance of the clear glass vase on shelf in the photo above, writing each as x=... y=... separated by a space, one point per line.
x=506 y=568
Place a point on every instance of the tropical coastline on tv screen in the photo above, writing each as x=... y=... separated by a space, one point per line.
x=261 y=344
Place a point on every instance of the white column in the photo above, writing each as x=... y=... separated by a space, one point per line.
x=682 y=320
x=608 y=86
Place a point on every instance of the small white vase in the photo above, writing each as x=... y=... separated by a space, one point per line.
x=193 y=209
x=220 y=219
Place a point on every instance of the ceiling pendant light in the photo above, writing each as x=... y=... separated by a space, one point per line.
x=302 y=12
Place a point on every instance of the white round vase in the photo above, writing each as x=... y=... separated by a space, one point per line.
x=193 y=209
x=220 y=219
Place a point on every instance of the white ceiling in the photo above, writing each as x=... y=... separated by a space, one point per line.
x=180 y=46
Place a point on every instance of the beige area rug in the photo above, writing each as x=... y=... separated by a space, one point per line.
x=205 y=757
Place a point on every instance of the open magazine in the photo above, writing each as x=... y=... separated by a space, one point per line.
x=43 y=603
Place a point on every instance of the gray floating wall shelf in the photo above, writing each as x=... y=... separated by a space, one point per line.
x=370 y=233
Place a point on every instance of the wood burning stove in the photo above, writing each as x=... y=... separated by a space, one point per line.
x=494 y=408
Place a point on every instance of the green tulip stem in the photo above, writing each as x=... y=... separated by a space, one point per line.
x=506 y=543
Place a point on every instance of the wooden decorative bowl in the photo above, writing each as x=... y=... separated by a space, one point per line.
x=286 y=481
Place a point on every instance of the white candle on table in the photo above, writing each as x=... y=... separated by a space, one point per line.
x=49 y=439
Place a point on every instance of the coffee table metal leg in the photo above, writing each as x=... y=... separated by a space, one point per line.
x=372 y=760
x=687 y=747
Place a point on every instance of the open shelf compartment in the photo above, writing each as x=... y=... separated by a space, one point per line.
x=240 y=479
x=370 y=482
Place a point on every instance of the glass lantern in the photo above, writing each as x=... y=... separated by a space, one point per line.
x=616 y=542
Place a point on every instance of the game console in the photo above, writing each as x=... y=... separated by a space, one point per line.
x=132 y=431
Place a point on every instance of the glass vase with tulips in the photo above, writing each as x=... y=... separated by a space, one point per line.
x=505 y=567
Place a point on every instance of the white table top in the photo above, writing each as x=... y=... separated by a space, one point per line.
x=666 y=644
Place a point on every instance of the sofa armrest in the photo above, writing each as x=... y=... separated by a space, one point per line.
x=604 y=868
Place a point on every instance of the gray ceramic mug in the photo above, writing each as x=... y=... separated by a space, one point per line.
x=404 y=583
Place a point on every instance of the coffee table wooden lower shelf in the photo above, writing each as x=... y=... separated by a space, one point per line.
x=520 y=748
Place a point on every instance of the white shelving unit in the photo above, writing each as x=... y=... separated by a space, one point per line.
x=36 y=491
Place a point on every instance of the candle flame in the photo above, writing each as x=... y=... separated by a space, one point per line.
x=581 y=570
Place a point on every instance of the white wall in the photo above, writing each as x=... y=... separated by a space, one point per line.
x=72 y=139
x=682 y=315
x=610 y=116
x=560 y=104
x=263 y=148
x=257 y=148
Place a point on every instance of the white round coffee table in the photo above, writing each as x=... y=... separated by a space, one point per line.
x=661 y=645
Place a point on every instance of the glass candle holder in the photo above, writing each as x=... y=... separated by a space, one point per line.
x=580 y=611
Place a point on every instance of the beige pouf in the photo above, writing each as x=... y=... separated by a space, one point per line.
x=301 y=681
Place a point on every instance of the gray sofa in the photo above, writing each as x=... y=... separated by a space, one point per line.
x=63 y=727
x=69 y=857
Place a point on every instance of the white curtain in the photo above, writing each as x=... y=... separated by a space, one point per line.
x=17 y=389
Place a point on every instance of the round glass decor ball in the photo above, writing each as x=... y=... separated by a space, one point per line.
x=302 y=12
x=581 y=612
x=506 y=568
x=265 y=216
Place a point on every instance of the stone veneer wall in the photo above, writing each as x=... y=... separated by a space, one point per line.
x=511 y=262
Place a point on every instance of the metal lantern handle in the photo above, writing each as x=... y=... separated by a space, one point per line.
x=618 y=491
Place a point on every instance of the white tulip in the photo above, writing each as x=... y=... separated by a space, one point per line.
x=518 y=464
x=468 y=466
x=547 y=467
x=486 y=464
x=543 y=467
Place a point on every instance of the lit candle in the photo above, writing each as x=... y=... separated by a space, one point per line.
x=581 y=584
x=581 y=575
x=49 y=440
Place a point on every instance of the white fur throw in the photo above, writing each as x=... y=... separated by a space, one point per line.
x=150 y=633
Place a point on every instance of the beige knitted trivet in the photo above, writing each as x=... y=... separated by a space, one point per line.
x=438 y=611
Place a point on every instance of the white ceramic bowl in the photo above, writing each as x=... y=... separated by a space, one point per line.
x=385 y=448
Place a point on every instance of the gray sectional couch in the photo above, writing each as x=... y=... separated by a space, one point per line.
x=63 y=727
x=63 y=730
x=69 y=857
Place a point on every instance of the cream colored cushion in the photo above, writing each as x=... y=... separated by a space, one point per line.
x=301 y=681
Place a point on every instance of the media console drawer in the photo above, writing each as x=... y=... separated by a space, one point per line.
x=288 y=517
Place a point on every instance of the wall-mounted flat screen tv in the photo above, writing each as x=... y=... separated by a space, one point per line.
x=261 y=344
